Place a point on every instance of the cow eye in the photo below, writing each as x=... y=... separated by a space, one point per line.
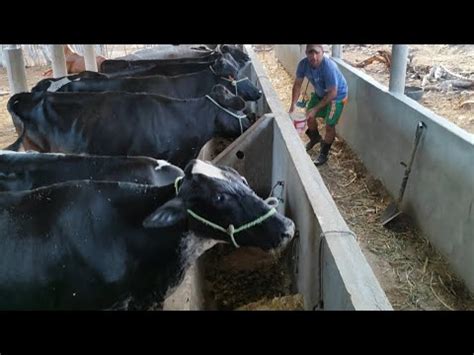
x=219 y=198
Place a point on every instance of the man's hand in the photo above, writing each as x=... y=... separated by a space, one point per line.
x=311 y=113
x=295 y=93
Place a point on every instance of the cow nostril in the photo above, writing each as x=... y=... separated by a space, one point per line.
x=290 y=231
x=287 y=235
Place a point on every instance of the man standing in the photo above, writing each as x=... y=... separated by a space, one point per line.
x=326 y=102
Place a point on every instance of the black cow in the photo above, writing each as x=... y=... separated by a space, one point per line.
x=89 y=244
x=115 y=68
x=181 y=86
x=186 y=52
x=118 y=123
x=30 y=170
x=161 y=66
x=125 y=68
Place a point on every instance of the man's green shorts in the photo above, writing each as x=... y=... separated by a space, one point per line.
x=331 y=112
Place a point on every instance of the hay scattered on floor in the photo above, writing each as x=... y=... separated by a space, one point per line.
x=238 y=278
x=411 y=272
x=285 y=303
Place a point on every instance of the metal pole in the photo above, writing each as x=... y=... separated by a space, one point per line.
x=337 y=50
x=15 y=66
x=398 y=68
x=58 y=61
x=89 y=57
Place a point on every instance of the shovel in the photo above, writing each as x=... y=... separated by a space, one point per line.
x=393 y=210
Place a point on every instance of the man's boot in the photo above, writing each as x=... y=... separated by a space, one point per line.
x=314 y=138
x=324 y=154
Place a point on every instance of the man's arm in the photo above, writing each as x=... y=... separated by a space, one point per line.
x=330 y=95
x=295 y=93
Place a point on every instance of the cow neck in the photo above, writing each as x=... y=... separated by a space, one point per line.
x=239 y=117
x=231 y=231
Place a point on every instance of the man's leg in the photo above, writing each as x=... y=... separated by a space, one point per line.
x=312 y=131
x=313 y=134
x=326 y=145
x=331 y=119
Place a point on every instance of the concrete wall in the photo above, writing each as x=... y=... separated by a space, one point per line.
x=380 y=127
x=189 y=295
x=287 y=53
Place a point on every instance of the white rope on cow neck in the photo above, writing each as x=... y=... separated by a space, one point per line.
x=231 y=230
x=239 y=117
x=212 y=70
x=234 y=83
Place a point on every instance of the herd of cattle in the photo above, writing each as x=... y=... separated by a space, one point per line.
x=113 y=202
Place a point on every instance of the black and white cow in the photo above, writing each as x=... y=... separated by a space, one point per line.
x=30 y=170
x=89 y=244
x=119 y=123
x=181 y=86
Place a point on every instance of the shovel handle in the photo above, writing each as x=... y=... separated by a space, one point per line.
x=419 y=131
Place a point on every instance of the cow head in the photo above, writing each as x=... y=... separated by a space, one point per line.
x=240 y=56
x=217 y=203
x=228 y=70
x=230 y=119
x=225 y=98
x=243 y=87
x=20 y=106
x=225 y=66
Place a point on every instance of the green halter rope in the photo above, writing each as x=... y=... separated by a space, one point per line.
x=231 y=230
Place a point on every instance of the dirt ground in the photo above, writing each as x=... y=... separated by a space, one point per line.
x=456 y=58
x=413 y=275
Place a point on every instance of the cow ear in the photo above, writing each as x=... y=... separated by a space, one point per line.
x=236 y=103
x=225 y=98
x=218 y=93
x=224 y=48
x=171 y=213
